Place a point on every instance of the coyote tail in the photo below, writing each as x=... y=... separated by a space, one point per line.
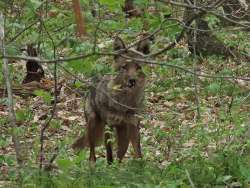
x=80 y=143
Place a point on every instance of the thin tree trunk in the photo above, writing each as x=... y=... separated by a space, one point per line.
x=237 y=10
x=11 y=113
x=81 y=32
x=206 y=42
x=130 y=10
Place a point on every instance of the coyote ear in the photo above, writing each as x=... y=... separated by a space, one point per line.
x=119 y=44
x=144 y=46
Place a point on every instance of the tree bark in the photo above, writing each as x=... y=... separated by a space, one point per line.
x=34 y=70
x=80 y=31
x=130 y=10
x=11 y=113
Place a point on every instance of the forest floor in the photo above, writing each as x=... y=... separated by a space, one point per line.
x=184 y=133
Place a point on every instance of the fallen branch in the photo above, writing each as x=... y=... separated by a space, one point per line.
x=26 y=90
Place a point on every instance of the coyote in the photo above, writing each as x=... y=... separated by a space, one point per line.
x=114 y=102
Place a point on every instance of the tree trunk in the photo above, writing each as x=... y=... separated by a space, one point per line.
x=201 y=39
x=11 y=114
x=80 y=32
x=238 y=10
x=34 y=70
x=130 y=10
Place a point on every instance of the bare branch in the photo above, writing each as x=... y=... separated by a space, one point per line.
x=46 y=125
x=184 y=69
x=208 y=9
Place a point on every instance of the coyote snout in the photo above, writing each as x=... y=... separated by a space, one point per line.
x=115 y=101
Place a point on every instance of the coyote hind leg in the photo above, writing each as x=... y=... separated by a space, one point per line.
x=95 y=132
x=80 y=143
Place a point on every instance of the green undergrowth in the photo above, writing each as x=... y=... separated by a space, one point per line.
x=224 y=168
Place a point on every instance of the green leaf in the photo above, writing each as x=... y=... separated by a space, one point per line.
x=245 y=172
x=34 y=4
x=78 y=84
x=64 y=164
x=213 y=88
x=135 y=24
x=46 y=96
x=224 y=179
x=111 y=3
x=80 y=66
x=80 y=157
x=55 y=124
x=112 y=25
x=21 y=115
x=212 y=20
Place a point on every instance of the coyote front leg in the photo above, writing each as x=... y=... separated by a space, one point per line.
x=122 y=141
x=134 y=136
x=108 y=146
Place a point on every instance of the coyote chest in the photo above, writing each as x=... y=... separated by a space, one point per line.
x=116 y=104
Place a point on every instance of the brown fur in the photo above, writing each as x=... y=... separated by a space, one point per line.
x=34 y=69
x=115 y=102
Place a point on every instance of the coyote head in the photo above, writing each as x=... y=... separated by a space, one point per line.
x=130 y=74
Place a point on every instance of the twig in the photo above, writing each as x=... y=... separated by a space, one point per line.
x=207 y=9
x=51 y=61
x=189 y=179
x=195 y=79
x=183 y=69
x=179 y=37
x=21 y=32
x=54 y=104
x=49 y=166
x=114 y=54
